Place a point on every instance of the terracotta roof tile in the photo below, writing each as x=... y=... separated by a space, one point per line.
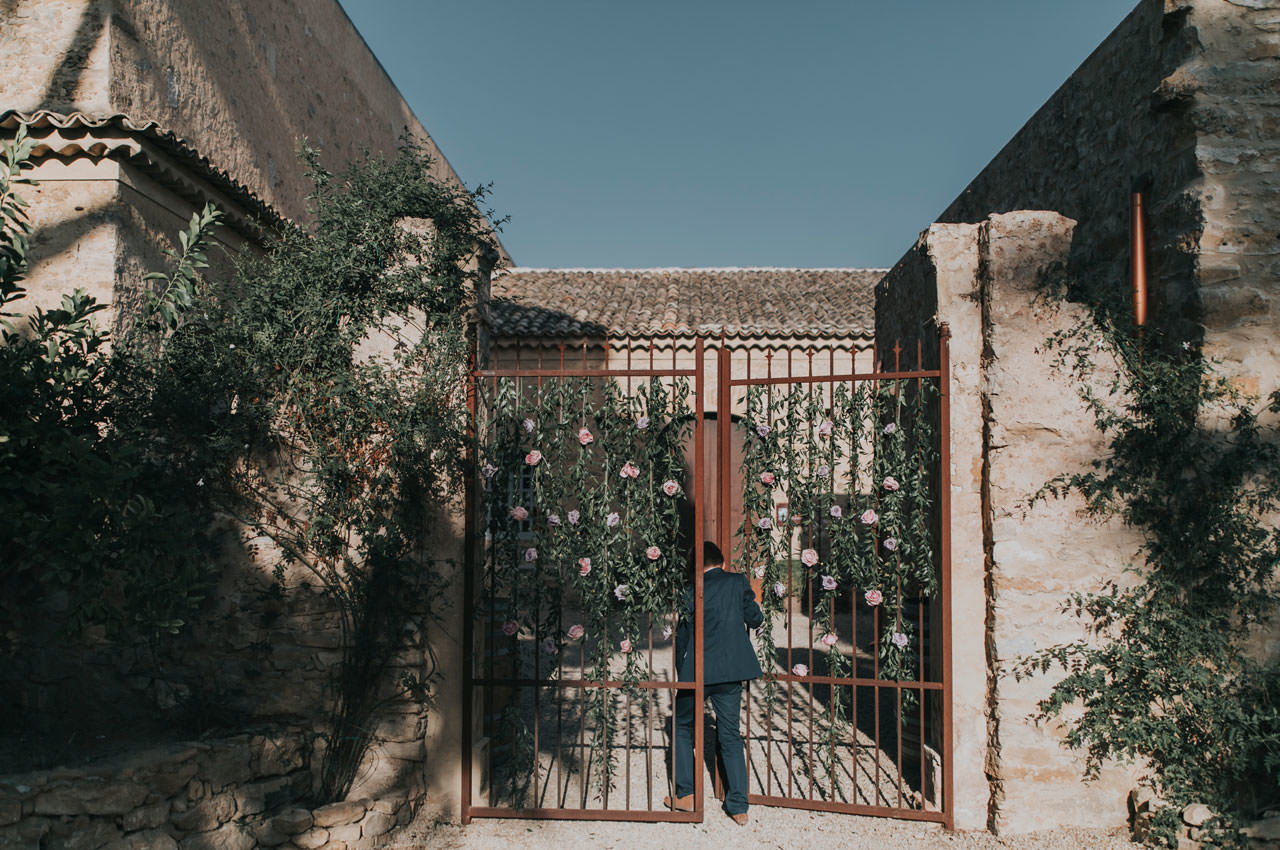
x=593 y=302
x=115 y=130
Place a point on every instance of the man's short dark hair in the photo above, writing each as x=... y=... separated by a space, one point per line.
x=711 y=555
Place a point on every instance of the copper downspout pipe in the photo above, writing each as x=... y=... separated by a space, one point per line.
x=1138 y=259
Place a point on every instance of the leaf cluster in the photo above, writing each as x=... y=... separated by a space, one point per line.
x=1170 y=674
x=102 y=527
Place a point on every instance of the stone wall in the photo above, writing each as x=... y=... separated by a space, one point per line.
x=231 y=794
x=244 y=82
x=1181 y=99
x=239 y=84
x=1119 y=122
x=1179 y=102
x=1234 y=98
x=1016 y=423
x=252 y=656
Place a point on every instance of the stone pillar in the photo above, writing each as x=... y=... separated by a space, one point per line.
x=1016 y=422
x=1037 y=428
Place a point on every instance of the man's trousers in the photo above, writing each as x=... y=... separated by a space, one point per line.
x=726 y=701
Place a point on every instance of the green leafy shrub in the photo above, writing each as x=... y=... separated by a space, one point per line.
x=315 y=401
x=1170 y=674
x=101 y=528
x=322 y=392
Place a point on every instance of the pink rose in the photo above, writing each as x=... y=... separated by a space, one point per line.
x=890 y=428
x=764 y=522
x=670 y=487
x=766 y=478
x=621 y=592
x=836 y=511
x=758 y=572
x=625 y=645
x=488 y=469
x=629 y=470
x=530 y=555
x=869 y=517
x=575 y=632
x=549 y=646
x=584 y=437
x=800 y=670
x=891 y=483
x=642 y=423
x=510 y=627
x=873 y=597
x=653 y=553
x=584 y=566
x=763 y=430
x=520 y=514
x=611 y=520
x=528 y=426
x=824 y=428
x=899 y=639
x=828 y=583
x=823 y=471
x=829 y=639
x=574 y=516
x=809 y=557
x=553 y=519
x=533 y=457
x=779 y=589
x=891 y=544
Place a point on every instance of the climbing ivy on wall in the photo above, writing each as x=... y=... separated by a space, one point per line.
x=1175 y=671
x=314 y=403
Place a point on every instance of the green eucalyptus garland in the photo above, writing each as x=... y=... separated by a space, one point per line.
x=858 y=469
x=583 y=490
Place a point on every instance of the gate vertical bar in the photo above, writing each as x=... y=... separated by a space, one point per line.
x=468 y=580
x=699 y=693
x=724 y=424
x=944 y=534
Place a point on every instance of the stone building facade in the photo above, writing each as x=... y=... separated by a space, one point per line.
x=145 y=110
x=1181 y=103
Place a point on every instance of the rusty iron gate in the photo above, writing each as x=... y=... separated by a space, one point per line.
x=837 y=508
x=776 y=452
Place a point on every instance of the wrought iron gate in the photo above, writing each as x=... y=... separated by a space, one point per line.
x=841 y=523
x=597 y=470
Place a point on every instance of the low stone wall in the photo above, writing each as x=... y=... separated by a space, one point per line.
x=231 y=794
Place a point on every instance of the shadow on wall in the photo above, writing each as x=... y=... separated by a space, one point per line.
x=64 y=81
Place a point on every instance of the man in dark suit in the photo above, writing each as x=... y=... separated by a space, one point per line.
x=728 y=609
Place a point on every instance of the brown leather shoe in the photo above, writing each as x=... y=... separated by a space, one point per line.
x=682 y=804
x=740 y=819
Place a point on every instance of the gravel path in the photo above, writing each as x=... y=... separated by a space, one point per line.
x=786 y=829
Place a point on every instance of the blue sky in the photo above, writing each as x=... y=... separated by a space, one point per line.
x=809 y=133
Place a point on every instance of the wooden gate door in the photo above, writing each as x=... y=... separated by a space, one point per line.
x=841 y=506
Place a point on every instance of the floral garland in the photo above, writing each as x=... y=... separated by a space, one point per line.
x=874 y=446
x=583 y=487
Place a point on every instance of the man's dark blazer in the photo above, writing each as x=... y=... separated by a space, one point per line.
x=728 y=609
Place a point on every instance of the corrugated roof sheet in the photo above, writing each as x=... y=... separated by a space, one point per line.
x=748 y=301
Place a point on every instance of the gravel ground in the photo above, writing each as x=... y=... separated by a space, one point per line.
x=785 y=829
